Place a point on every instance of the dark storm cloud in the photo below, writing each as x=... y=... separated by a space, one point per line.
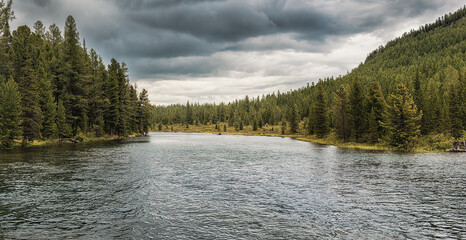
x=261 y=43
x=231 y=21
x=158 y=43
x=42 y=3
x=142 y=4
x=213 y=21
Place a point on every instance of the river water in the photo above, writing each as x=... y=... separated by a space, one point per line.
x=204 y=186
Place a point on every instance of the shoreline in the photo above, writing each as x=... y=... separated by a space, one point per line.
x=272 y=132
x=69 y=141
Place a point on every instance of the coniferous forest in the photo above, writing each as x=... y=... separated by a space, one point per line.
x=52 y=86
x=410 y=92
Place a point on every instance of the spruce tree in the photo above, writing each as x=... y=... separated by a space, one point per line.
x=144 y=113
x=6 y=15
x=63 y=128
x=74 y=101
x=46 y=101
x=375 y=109
x=455 y=110
x=10 y=113
x=294 y=119
x=402 y=121
x=356 y=110
x=283 y=126
x=23 y=73
x=340 y=112
x=189 y=114
x=112 y=115
x=319 y=113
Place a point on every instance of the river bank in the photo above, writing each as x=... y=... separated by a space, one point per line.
x=426 y=144
x=80 y=139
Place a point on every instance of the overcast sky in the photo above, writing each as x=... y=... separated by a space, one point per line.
x=221 y=50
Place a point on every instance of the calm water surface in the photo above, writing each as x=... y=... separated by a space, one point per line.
x=201 y=186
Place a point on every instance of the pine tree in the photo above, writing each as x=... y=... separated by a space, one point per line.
x=283 y=126
x=47 y=102
x=189 y=114
x=63 y=128
x=402 y=121
x=10 y=113
x=340 y=112
x=112 y=115
x=144 y=113
x=319 y=113
x=39 y=29
x=6 y=15
x=455 y=110
x=356 y=110
x=375 y=108
x=74 y=102
x=23 y=72
x=294 y=119
x=122 y=126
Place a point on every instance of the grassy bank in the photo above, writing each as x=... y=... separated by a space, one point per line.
x=80 y=139
x=431 y=143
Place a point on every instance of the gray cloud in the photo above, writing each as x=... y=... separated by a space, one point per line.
x=42 y=3
x=264 y=44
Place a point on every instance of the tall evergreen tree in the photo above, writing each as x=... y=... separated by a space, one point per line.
x=402 y=119
x=112 y=91
x=455 y=112
x=144 y=119
x=10 y=113
x=319 y=113
x=189 y=114
x=340 y=112
x=294 y=119
x=63 y=127
x=23 y=72
x=356 y=110
x=74 y=102
x=375 y=109
x=6 y=15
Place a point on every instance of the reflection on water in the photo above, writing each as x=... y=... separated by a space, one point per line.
x=188 y=186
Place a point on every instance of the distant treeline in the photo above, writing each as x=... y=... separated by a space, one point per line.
x=414 y=86
x=52 y=87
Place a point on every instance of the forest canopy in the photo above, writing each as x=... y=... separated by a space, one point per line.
x=52 y=86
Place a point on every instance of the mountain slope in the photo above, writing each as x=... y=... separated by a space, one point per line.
x=426 y=68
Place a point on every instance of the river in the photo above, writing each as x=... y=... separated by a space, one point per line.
x=205 y=186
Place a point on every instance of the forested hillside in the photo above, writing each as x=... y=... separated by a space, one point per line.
x=409 y=90
x=52 y=86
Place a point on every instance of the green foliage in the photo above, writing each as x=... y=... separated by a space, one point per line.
x=10 y=113
x=319 y=113
x=403 y=119
x=294 y=119
x=375 y=106
x=63 y=89
x=64 y=129
x=356 y=110
x=22 y=57
x=283 y=126
x=340 y=112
